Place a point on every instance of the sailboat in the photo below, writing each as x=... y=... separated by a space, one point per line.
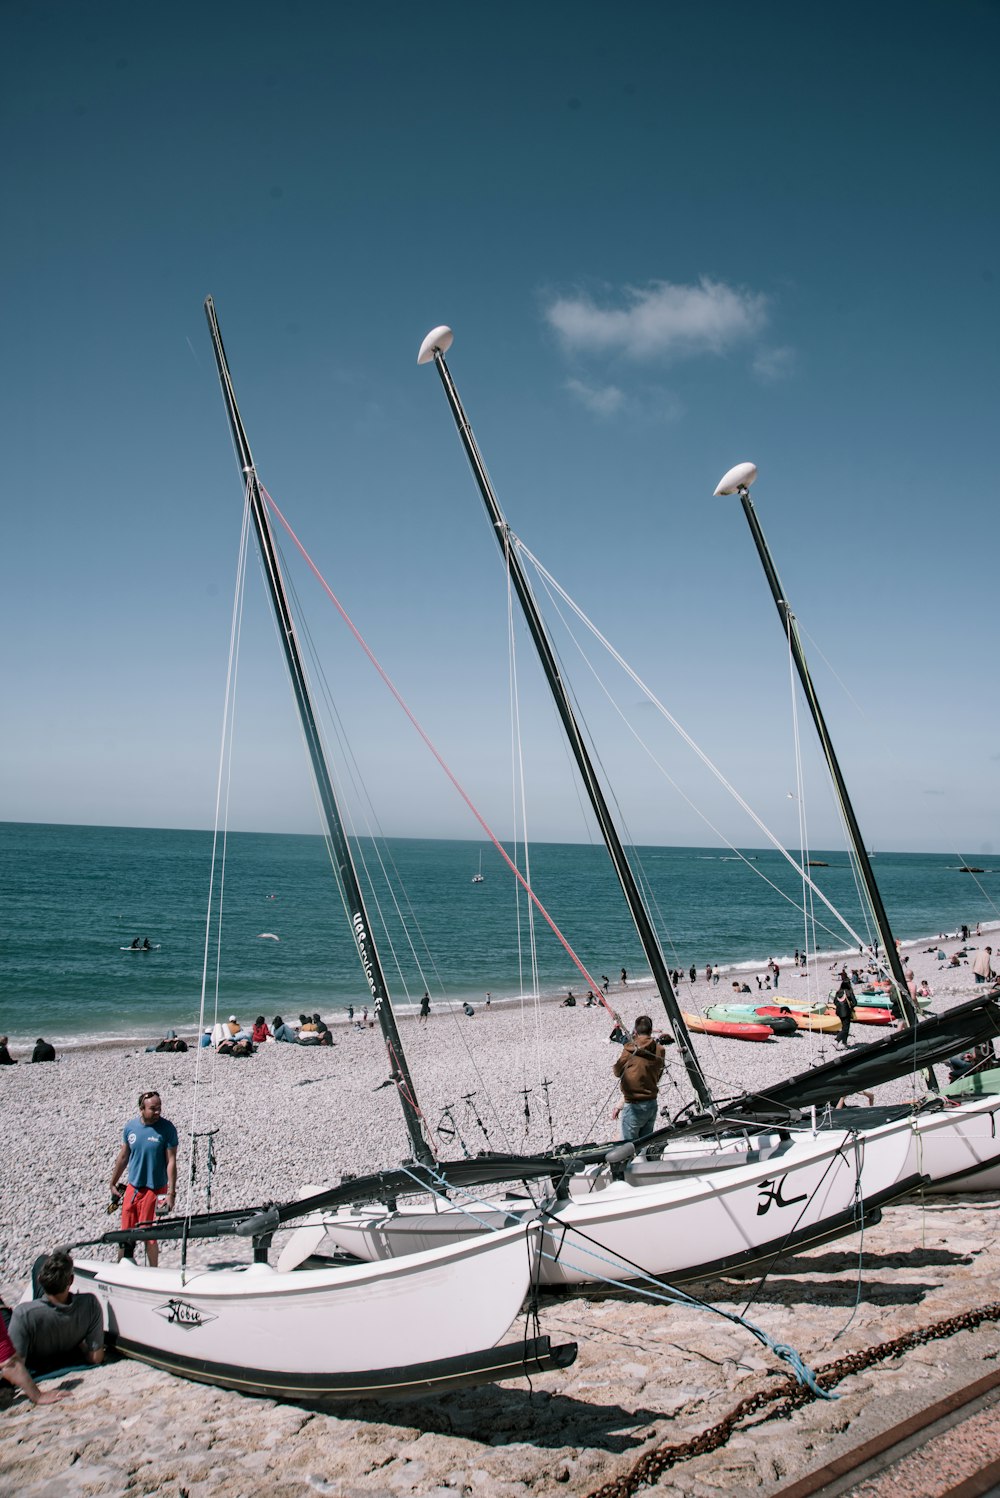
x=307 y=1326
x=698 y=1209
x=959 y=1149
x=478 y=878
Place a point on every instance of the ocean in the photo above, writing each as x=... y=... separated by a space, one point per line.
x=72 y=897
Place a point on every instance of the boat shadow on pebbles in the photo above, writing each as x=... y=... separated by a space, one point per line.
x=780 y=1290
x=843 y=1263
x=546 y=1419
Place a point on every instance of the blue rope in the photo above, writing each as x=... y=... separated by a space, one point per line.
x=667 y=1295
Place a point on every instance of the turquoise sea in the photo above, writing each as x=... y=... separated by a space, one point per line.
x=71 y=897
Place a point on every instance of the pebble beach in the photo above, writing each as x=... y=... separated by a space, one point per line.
x=290 y=1117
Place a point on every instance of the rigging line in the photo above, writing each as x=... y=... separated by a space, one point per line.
x=379 y=843
x=347 y=763
x=685 y=736
x=799 y=791
x=861 y=893
x=223 y=777
x=853 y=1139
x=665 y=1293
x=809 y=922
x=859 y=1215
x=859 y=706
x=631 y=844
x=752 y=867
x=518 y=785
x=391 y=686
x=363 y=799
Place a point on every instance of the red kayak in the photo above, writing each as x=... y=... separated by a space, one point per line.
x=865 y=1016
x=724 y=1028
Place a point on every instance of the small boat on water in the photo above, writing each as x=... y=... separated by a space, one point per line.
x=479 y=878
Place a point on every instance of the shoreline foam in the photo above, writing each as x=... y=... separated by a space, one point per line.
x=81 y=1041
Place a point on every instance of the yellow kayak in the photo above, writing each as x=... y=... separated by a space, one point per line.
x=805 y=1019
x=825 y=1024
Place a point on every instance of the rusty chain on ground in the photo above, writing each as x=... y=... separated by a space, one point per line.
x=783 y=1399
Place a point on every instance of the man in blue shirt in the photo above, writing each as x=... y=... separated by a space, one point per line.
x=149 y=1149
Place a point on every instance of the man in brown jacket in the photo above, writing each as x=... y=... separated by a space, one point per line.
x=639 y=1067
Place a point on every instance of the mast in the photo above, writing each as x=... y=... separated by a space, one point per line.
x=434 y=347
x=738 y=481
x=361 y=928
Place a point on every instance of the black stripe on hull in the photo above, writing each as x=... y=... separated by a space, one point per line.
x=415 y=1381
x=839 y=1226
x=954 y=1181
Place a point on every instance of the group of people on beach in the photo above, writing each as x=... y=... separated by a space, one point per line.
x=43 y=1051
x=231 y=1039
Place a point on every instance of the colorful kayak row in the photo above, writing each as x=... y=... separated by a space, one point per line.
x=732 y=1030
x=762 y=1021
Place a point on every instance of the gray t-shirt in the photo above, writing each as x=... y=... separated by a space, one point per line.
x=47 y=1335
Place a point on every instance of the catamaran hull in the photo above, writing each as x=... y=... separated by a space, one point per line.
x=366 y=1331
x=959 y=1148
x=680 y=1228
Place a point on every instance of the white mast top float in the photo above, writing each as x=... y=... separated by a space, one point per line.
x=438 y=341
x=740 y=477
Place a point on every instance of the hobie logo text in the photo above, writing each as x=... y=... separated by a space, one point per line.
x=361 y=937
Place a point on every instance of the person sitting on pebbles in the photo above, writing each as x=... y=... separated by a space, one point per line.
x=6 y=1059
x=308 y=1031
x=57 y=1328
x=232 y=1039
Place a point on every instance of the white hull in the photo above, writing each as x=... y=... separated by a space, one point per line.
x=676 y=1227
x=959 y=1148
x=309 y=1331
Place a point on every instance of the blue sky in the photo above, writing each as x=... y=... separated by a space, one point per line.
x=668 y=237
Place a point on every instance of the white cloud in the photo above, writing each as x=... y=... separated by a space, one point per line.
x=773 y=363
x=604 y=400
x=664 y=320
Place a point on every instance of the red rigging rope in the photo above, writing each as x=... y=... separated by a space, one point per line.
x=404 y=1090
x=592 y=984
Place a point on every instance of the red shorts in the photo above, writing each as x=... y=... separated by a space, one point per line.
x=7 y=1348
x=138 y=1205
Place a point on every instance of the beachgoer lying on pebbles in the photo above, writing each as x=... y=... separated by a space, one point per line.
x=170 y=1042
x=231 y=1039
